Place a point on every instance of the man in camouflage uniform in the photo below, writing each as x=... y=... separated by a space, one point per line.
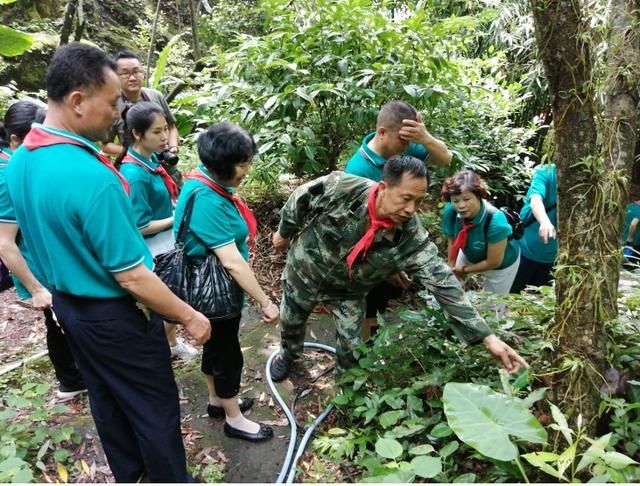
x=325 y=219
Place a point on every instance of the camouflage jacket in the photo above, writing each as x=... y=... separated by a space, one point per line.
x=325 y=218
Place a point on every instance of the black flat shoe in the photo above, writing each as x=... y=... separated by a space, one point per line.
x=264 y=433
x=218 y=412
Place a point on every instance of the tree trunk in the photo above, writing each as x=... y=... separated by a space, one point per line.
x=193 y=4
x=591 y=187
x=67 y=25
x=581 y=292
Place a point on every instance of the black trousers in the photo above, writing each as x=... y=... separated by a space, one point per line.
x=379 y=296
x=125 y=362
x=222 y=357
x=531 y=272
x=61 y=356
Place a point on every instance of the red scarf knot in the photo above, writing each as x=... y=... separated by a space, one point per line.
x=376 y=224
x=240 y=205
x=169 y=183
x=460 y=241
x=38 y=137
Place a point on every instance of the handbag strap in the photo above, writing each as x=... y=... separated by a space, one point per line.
x=186 y=218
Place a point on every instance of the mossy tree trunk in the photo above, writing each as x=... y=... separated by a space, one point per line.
x=591 y=192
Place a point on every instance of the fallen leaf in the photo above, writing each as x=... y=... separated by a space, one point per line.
x=62 y=472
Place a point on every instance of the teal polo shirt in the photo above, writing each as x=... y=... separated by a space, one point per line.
x=366 y=163
x=543 y=184
x=215 y=220
x=75 y=217
x=478 y=238
x=8 y=215
x=150 y=198
x=633 y=211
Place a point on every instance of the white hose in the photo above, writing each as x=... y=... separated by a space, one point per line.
x=289 y=465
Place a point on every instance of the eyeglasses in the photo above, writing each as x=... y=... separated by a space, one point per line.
x=127 y=74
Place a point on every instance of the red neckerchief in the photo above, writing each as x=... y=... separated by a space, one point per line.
x=38 y=137
x=460 y=241
x=365 y=242
x=241 y=206
x=169 y=183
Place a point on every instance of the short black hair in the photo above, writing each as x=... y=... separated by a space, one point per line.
x=392 y=113
x=74 y=66
x=126 y=54
x=398 y=165
x=18 y=119
x=224 y=145
x=140 y=117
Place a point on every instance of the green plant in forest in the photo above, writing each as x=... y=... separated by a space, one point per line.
x=599 y=460
x=13 y=42
x=485 y=420
x=625 y=419
x=27 y=435
x=310 y=87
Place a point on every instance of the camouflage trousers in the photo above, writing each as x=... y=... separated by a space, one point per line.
x=298 y=302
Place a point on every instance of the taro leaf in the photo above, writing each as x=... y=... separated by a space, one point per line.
x=426 y=466
x=12 y=42
x=388 y=448
x=484 y=420
x=449 y=449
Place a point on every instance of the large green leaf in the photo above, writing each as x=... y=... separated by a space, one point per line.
x=12 y=42
x=484 y=420
x=161 y=65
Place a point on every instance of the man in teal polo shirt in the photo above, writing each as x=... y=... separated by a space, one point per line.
x=538 y=246
x=399 y=131
x=74 y=213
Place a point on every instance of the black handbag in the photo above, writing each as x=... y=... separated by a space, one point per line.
x=203 y=283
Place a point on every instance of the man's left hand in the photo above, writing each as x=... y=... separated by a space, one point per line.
x=511 y=361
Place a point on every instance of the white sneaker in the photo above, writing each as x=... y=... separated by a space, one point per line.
x=183 y=351
x=68 y=395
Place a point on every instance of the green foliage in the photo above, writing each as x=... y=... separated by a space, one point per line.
x=209 y=473
x=161 y=63
x=602 y=462
x=396 y=394
x=221 y=28
x=485 y=420
x=13 y=42
x=309 y=89
x=392 y=405
x=28 y=437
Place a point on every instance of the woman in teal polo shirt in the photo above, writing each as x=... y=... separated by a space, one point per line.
x=152 y=191
x=222 y=224
x=476 y=246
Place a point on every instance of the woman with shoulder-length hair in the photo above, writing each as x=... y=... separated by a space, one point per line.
x=479 y=235
x=221 y=223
